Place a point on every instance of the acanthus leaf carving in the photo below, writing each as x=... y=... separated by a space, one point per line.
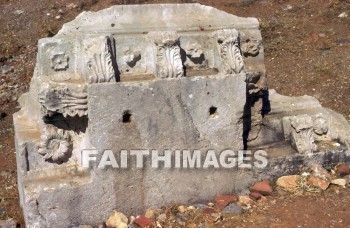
x=63 y=100
x=169 y=62
x=303 y=134
x=56 y=144
x=101 y=66
x=229 y=49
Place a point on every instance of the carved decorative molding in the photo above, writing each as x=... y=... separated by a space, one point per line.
x=302 y=136
x=195 y=56
x=230 y=53
x=59 y=62
x=169 y=63
x=251 y=47
x=63 y=100
x=320 y=124
x=101 y=66
x=252 y=79
x=56 y=144
x=131 y=57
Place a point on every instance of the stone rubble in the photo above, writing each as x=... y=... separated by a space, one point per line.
x=342 y=170
x=226 y=206
x=255 y=196
x=289 y=183
x=262 y=187
x=340 y=182
x=117 y=220
x=318 y=182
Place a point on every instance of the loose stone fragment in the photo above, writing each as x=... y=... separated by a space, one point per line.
x=262 y=187
x=318 y=182
x=340 y=182
x=342 y=170
x=143 y=221
x=288 y=183
x=255 y=196
x=117 y=220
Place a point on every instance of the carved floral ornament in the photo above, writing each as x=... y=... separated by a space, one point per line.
x=230 y=53
x=56 y=144
x=59 y=61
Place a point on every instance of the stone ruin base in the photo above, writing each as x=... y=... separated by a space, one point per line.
x=146 y=77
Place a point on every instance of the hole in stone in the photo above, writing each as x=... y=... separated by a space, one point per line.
x=208 y=93
x=112 y=25
x=213 y=111
x=127 y=116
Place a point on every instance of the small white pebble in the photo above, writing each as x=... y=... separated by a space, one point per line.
x=305 y=174
x=343 y=14
x=58 y=17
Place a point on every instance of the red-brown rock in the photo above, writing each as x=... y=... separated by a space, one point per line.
x=320 y=172
x=255 y=196
x=342 y=170
x=221 y=201
x=208 y=211
x=143 y=221
x=318 y=182
x=262 y=187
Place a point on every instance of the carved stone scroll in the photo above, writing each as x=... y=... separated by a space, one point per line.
x=63 y=100
x=100 y=66
x=169 y=63
x=230 y=53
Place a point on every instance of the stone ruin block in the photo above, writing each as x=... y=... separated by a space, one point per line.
x=170 y=76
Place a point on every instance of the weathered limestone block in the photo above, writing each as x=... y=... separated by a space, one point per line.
x=153 y=77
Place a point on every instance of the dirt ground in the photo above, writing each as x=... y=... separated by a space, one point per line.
x=307 y=48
